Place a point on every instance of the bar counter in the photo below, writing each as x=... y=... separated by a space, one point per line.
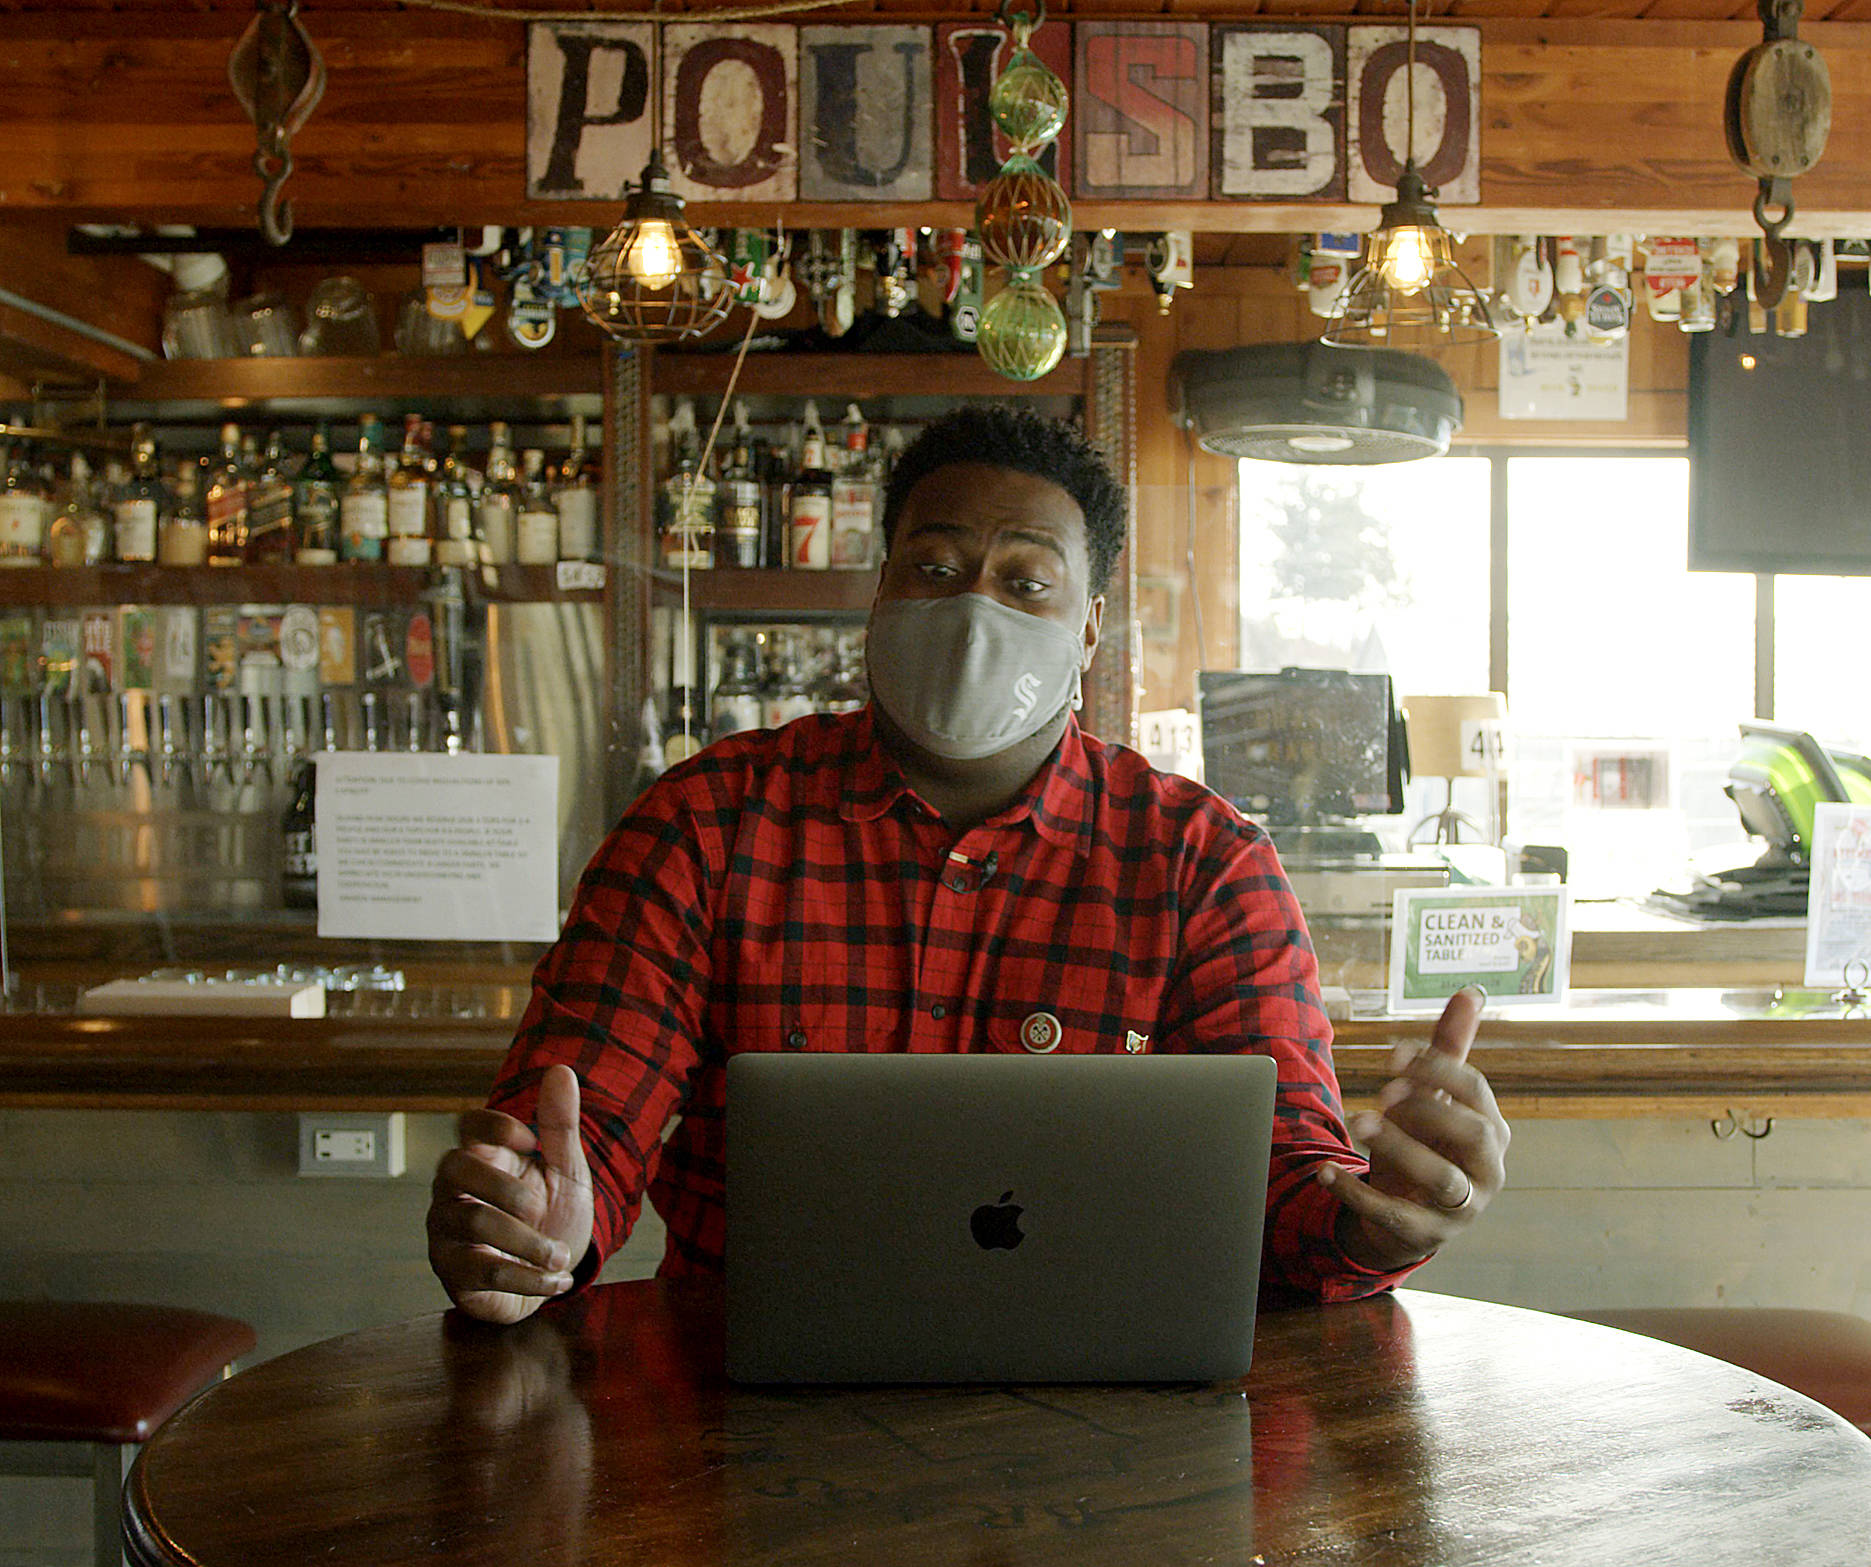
x=436 y=1048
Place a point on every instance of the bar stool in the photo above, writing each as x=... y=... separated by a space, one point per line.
x=82 y=1384
x=1824 y=1354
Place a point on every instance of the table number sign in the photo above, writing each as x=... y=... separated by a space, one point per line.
x=1516 y=942
x=1838 y=897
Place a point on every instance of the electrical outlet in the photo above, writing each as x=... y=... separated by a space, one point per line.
x=355 y=1146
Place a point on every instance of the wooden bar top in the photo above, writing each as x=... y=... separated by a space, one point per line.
x=1607 y=1053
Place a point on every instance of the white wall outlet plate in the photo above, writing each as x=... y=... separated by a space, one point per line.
x=350 y=1145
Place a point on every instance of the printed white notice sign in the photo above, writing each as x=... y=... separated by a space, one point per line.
x=1838 y=897
x=1563 y=378
x=438 y=848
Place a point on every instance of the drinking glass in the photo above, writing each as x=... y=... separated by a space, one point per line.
x=340 y=318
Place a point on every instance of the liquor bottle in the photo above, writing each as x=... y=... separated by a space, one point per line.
x=686 y=502
x=536 y=533
x=298 y=827
x=575 y=498
x=775 y=528
x=270 y=537
x=317 y=503
x=500 y=499
x=182 y=536
x=25 y=508
x=809 y=513
x=736 y=702
x=789 y=696
x=454 y=503
x=407 y=500
x=79 y=532
x=140 y=507
x=364 y=508
x=229 y=491
x=738 y=520
x=854 y=499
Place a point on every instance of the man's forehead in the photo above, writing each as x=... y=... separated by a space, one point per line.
x=972 y=494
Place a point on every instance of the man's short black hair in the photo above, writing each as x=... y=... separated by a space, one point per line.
x=1013 y=437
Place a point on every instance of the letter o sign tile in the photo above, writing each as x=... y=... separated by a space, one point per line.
x=1041 y=1033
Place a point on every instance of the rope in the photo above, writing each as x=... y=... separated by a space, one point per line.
x=743 y=13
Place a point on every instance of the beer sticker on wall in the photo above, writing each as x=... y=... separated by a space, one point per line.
x=1515 y=942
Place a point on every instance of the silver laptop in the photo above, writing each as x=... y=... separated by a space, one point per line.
x=985 y=1218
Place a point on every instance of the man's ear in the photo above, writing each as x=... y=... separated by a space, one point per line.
x=1094 y=621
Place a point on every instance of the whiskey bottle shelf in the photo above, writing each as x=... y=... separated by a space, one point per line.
x=356 y=582
x=740 y=591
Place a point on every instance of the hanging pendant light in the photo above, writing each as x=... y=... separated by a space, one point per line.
x=1409 y=292
x=654 y=278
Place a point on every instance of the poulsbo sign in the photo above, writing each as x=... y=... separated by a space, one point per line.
x=1161 y=111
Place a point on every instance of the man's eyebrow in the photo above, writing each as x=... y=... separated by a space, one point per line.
x=1044 y=540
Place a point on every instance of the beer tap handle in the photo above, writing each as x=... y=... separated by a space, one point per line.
x=416 y=731
x=50 y=752
x=330 y=717
x=256 y=754
x=370 y=706
x=215 y=755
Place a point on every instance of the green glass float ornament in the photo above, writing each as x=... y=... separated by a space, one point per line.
x=1024 y=217
x=1022 y=330
x=1028 y=101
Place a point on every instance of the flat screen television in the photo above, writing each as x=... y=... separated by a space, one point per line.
x=1780 y=444
x=1302 y=747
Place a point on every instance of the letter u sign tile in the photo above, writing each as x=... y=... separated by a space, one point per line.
x=865 y=114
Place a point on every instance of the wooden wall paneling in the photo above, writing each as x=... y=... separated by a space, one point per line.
x=1587 y=126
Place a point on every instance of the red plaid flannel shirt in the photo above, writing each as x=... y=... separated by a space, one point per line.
x=787 y=890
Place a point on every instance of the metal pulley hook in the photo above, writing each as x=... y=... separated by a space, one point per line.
x=278 y=76
x=1773 y=254
x=1776 y=115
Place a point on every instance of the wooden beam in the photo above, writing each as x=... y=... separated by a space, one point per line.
x=1589 y=126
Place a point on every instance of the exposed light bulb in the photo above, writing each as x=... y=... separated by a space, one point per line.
x=1409 y=260
x=654 y=258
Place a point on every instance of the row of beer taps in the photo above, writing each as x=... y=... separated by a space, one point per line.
x=217 y=738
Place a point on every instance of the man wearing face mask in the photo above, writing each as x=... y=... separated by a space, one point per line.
x=956 y=867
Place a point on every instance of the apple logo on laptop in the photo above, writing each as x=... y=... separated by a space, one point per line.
x=996 y=1226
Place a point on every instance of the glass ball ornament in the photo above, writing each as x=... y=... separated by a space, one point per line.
x=1028 y=102
x=1022 y=330
x=1024 y=217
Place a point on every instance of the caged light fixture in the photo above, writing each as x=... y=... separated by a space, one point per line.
x=1409 y=292
x=654 y=278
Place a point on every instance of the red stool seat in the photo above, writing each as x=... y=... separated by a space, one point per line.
x=92 y=1372
x=1824 y=1354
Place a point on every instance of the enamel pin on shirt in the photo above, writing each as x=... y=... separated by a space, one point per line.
x=1041 y=1033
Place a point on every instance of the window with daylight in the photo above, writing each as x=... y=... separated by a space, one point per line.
x=1626 y=675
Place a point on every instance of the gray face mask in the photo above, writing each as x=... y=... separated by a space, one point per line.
x=967 y=676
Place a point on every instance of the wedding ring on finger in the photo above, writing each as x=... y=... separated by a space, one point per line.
x=1467 y=1197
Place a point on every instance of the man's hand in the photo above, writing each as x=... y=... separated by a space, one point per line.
x=510 y=1213
x=1437 y=1149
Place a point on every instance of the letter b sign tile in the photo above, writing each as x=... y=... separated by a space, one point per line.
x=1279 y=112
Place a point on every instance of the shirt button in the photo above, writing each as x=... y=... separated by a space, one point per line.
x=938 y=1010
x=796 y=1039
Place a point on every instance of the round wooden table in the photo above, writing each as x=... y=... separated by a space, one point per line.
x=1409 y=1429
